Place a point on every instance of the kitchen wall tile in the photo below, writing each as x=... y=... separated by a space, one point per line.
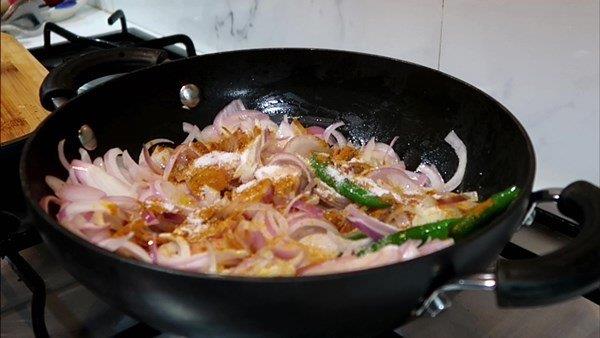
x=404 y=29
x=539 y=59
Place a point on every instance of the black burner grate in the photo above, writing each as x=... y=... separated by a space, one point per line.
x=52 y=55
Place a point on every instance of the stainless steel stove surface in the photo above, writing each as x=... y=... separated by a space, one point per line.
x=67 y=309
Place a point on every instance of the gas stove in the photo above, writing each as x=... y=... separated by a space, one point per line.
x=40 y=298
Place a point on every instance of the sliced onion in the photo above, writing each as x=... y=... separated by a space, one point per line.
x=420 y=178
x=271 y=224
x=323 y=241
x=305 y=145
x=85 y=157
x=136 y=171
x=286 y=251
x=329 y=196
x=347 y=246
x=177 y=195
x=136 y=251
x=124 y=202
x=89 y=227
x=96 y=236
x=275 y=223
x=436 y=181
x=388 y=255
x=461 y=152
x=193 y=132
x=367 y=150
x=244 y=120
x=331 y=131
x=380 y=153
x=390 y=149
x=198 y=262
x=310 y=222
x=250 y=159
x=153 y=251
x=98 y=161
x=46 y=200
x=182 y=151
x=111 y=165
x=178 y=244
x=73 y=193
x=114 y=243
x=309 y=209
x=123 y=243
x=290 y=204
x=434 y=245
x=150 y=162
x=385 y=154
x=292 y=217
x=94 y=176
x=54 y=183
x=284 y=131
x=280 y=221
x=256 y=240
x=315 y=130
x=399 y=165
x=286 y=158
x=61 y=154
x=471 y=195
x=233 y=107
x=370 y=226
x=396 y=178
x=72 y=209
x=171 y=162
x=156 y=141
x=209 y=134
x=149 y=218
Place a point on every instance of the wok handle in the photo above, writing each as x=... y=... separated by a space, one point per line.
x=62 y=83
x=571 y=271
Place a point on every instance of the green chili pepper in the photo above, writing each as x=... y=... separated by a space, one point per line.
x=439 y=230
x=456 y=228
x=356 y=236
x=345 y=187
x=484 y=212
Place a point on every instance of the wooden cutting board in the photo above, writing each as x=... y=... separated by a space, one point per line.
x=21 y=78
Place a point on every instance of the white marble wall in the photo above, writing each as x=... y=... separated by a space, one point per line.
x=408 y=29
x=539 y=58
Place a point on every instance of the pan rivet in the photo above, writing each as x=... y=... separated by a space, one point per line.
x=87 y=137
x=189 y=95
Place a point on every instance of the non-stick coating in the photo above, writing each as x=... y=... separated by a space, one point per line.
x=374 y=96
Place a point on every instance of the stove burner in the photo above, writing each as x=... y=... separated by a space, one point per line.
x=53 y=54
x=51 y=27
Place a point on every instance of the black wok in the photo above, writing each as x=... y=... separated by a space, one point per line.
x=375 y=96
